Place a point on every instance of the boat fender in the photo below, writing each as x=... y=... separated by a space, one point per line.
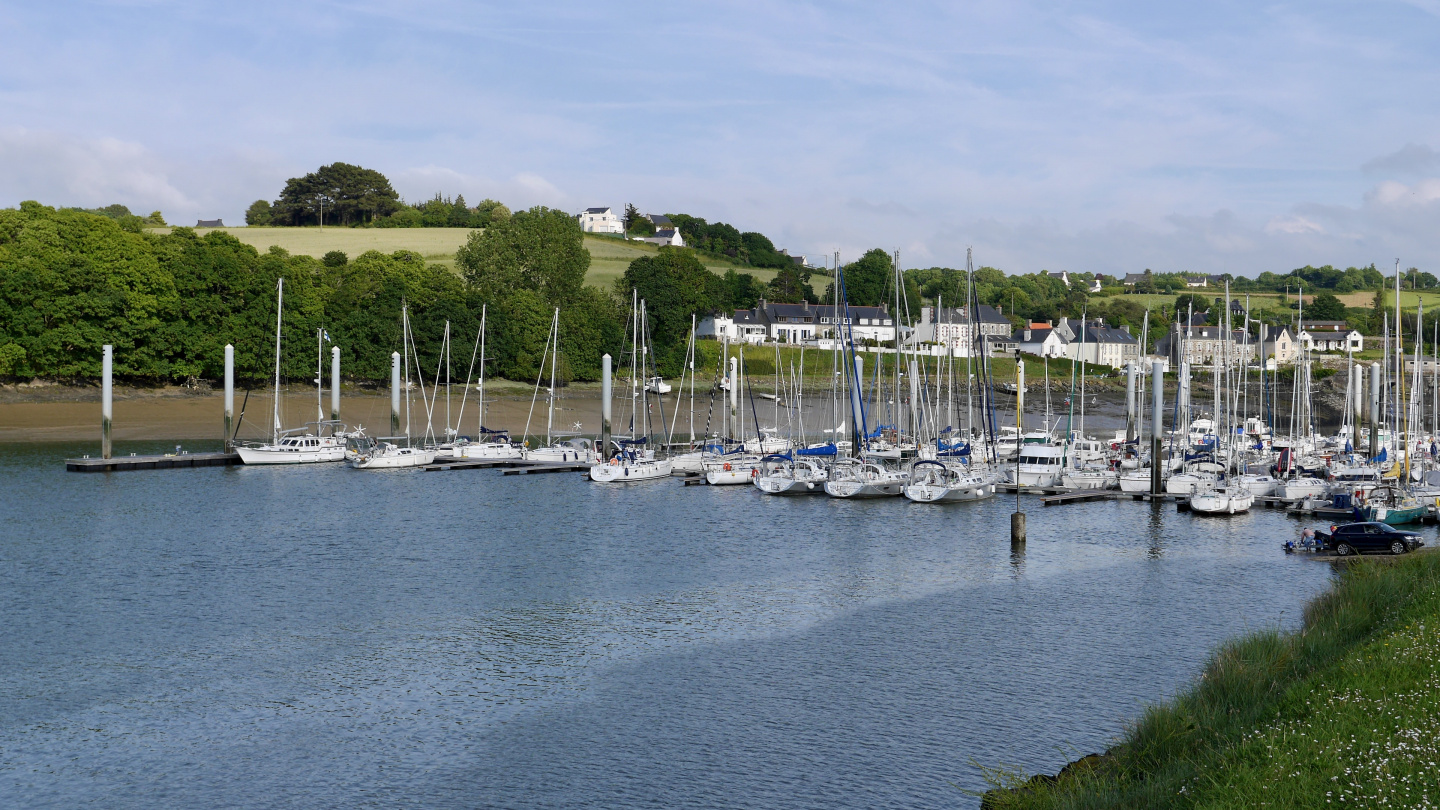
x=754 y=472
x=614 y=462
x=727 y=466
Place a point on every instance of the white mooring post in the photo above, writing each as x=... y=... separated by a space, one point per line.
x=334 y=382
x=1374 y=410
x=107 y=411
x=229 y=396
x=1157 y=406
x=855 y=406
x=394 y=393
x=605 y=406
x=734 y=396
x=1132 y=371
x=1017 y=518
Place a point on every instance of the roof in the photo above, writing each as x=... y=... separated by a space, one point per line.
x=1333 y=326
x=1038 y=334
x=1132 y=278
x=209 y=223
x=958 y=315
x=1107 y=334
x=604 y=210
x=668 y=233
x=660 y=220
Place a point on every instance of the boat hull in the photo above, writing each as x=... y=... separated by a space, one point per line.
x=731 y=477
x=863 y=489
x=630 y=473
x=933 y=493
x=776 y=485
x=404 y=459
x=317 y=455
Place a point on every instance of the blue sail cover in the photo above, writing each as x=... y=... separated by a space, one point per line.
x=1200 y=457
x=640 y=440
x=1384 y=454
x=827 y=449
x=878 y=430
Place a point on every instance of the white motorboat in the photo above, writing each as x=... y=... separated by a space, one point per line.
x=1135 y=482
x=1259 y=485
x=781 y=475
x=768 y=442
x=1040 y=465
x=1222 y=500
x=565 y=451
x=1297 y=488
x=1090 y=478
x=625 y=469
x=380 y=454
x=306 y=448
x=940 y=482
x=657 y=385
x=1189 y=483
x=857 y=478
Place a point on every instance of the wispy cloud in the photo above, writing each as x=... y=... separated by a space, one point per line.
x=1105 y=136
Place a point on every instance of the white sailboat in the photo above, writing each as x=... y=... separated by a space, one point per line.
x=635 y=461
x=297 y=445
x=386 y=453
x=1227 y=499
x=946 y=482
x=782 y=475
x=858 y=478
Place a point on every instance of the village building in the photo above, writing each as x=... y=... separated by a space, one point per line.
x=600 y=220
x=800 y=323
x=1330 y=336
x=953 y=327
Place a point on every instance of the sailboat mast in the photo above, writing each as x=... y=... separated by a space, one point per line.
x=481 y=424
x=319 y=377
x=405 y=349
x=554 y=355
x=279 y=312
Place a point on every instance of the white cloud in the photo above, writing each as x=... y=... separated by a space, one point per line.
x=62 y=169
x=1292 y=224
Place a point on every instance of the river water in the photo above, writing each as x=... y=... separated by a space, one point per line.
x=323 y=637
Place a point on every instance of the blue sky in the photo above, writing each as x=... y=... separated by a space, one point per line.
x=1099 y=136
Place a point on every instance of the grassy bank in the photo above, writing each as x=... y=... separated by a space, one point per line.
x=1344 y=712
x=608 y=256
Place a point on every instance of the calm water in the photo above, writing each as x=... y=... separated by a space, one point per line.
x=323 y=637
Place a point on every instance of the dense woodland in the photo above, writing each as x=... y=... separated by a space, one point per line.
x=72 y=280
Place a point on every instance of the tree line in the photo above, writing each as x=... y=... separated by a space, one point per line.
x=354 y=196
x=71 y=282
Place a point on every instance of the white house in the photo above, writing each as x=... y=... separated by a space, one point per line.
x=1042 y=340
x=667 y=236
x=1330 y=336
x=600 y=220
x=954 y=327
x=798 y=323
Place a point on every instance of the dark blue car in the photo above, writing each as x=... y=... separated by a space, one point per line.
x=1374 y=537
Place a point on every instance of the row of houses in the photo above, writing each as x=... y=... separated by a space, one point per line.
x=1199 y=344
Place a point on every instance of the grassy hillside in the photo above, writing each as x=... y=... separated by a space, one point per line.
x=608 y=257
x=1343 y=713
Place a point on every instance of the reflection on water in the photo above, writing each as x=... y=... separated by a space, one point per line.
x=325 y=637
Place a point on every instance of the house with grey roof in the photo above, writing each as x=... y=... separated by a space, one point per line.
x=600 y=220
x=666 y=236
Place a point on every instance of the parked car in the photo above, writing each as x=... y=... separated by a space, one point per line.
x=1361 y=538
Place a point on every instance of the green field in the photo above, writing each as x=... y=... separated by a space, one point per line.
x=608 y=257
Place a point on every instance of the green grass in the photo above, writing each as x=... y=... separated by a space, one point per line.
x=1342 y=713
x=608 y=256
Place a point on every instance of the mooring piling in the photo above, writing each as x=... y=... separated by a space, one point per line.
x=334 y=382
x=1017 y=519
x=107 y=411
x=1157 y=412
x=229 y=397
x=605 y=371
x=394 y=393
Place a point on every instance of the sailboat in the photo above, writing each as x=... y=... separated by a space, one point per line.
x=557 y=449
x=487 y=444
x=634 y=462
x=297 y=445
x=386 y=453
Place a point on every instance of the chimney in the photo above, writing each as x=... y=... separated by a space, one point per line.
x=1027 y=335
x=1126 y=327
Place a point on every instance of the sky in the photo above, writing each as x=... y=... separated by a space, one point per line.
x=1082 y=136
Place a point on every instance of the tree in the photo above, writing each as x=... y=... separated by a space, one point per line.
x=869 y=280
x=632 y=217
x=674 y=285
x=258 y=213
x=541 y=249
x=1184 y=303
x=791 y=286
x=1325 y=307
x=341 y=192
x=335 y=258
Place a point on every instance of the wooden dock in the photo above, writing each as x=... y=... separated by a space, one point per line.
x=169 y=461
x=1078 y=496
x=537 y=468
